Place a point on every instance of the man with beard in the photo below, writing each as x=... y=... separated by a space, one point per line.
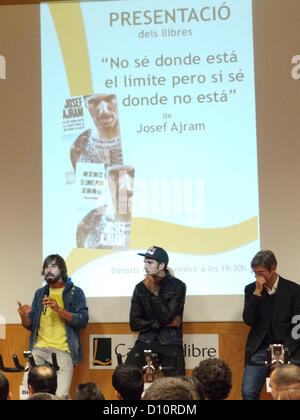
x=57 y=314
x=102 y=144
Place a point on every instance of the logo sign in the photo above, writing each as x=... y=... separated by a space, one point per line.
x=197 y=347
x=151 y=251
x=102 y=352
x=104 y=349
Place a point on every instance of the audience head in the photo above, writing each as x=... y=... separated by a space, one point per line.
x=42 y=379
x=128 y=382
x=171 y=388
x=284 y=377
x=88 y=391
x=196 y=384
x=215 y=377
x=4 y=388
x=38 y=396
x=289 y=394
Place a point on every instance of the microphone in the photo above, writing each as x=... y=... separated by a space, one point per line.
x=46 y=294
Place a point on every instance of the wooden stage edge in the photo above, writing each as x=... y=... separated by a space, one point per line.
x=232 y=339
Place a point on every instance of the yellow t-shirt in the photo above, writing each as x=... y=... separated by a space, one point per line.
x=52 y=329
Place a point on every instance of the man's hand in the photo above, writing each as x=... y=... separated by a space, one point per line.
x=77 y=148
x=149 y=283
x=24 y=310
x=152 y=282
x=51 y=303
x=260 y=282
x=175 y=323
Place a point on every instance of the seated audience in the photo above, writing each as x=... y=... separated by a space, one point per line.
x=4 y=388
x=215 y=377
x=171 y=388
x=289 y=394
x=196 y=384
x=88 y=391
x=42 y=379
x=38 y=396
x=128 y=382
x=284 y=377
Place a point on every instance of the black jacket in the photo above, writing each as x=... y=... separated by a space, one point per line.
x=150 y=314
x=274 y=312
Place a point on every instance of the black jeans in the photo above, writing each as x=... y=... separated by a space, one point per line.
x=170 y=357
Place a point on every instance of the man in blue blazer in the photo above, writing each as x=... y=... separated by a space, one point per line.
x=271 y=307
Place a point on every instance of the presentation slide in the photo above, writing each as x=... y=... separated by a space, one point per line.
x=149 y=138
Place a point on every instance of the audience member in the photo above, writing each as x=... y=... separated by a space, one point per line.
x=283 y=378
x=128 y=382
x=215 y=377
x=171 y=388
x=88 y=391
x=38 y=396
x=211 y=380
x=289 y=394
x=196 y=384
x=42 y=379
x=4 y=388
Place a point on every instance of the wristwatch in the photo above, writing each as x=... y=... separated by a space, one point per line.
x=155 y=293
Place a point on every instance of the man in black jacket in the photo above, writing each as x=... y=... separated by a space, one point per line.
x=156 y=313
x=271 y=303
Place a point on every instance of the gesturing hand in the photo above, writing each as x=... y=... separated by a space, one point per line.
x=23 y=310
x=175 y=323
x=51 y=303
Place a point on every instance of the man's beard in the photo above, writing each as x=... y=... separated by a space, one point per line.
x=50 y=279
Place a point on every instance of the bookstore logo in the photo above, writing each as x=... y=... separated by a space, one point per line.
x=101 y=351
x=2 y=67
x=106 y=351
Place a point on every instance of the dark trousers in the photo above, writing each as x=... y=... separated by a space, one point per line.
x=170 y=357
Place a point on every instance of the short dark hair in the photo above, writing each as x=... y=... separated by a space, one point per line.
x=265 y=258
x=286 y=375
x=4 y=387
x=42 y=379
x=60 y=262
x=192 y=380
x=88 y=391
x=129 y=382
x=38 y=396
x=171 y=388
x=215 y=377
